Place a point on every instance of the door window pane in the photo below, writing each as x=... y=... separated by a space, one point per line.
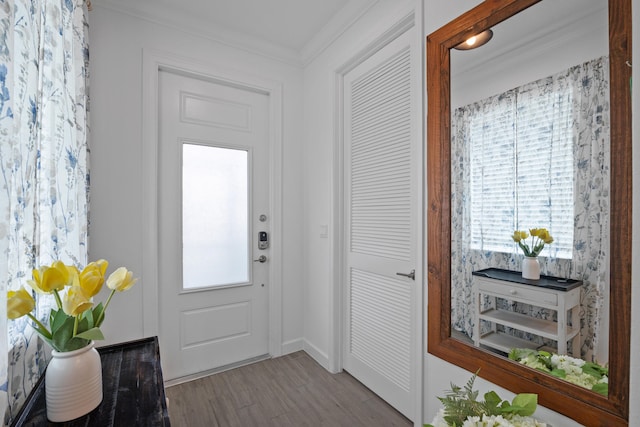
x=215 y=231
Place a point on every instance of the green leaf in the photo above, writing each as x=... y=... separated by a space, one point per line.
x=518 y=354
x=83 y=325
x=594 y=370
x=88 y=316
x=601 y=388
x=76 y=343
x=47 y=340
x=57 y=319
x=97 y=311
x=62 y=331
x=492 y=403
x=91 y=334
x=558 y=373
x=524 y=248
x=62 y=338
x=525 y=404
x=545 y=358
x=461 y=403
x=51 y=316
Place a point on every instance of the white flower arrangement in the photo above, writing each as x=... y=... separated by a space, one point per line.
x=490 y=421
x=463 y=409
x=589 y=375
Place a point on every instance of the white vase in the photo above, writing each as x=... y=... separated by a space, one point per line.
x=530 y=268
x=73 y=383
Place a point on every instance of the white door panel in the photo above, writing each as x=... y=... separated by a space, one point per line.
x=381 y=216
x=209 y=207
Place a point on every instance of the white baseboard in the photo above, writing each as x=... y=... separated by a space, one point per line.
x=292 y=346
x=319 y=356
x=203 y=374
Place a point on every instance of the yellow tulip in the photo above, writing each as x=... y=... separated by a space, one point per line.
x=102 y=264
x=19 y=303
x=92 y=277
x=121 y=280
x=75 y=301
x=519 y=235
x=47 y=279
x=536 y=231
x=74 y=276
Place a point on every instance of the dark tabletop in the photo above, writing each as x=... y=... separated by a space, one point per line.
x=132 y=385
x=548 y=282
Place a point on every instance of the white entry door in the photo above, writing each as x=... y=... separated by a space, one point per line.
x=213 y=182
x=382 y=205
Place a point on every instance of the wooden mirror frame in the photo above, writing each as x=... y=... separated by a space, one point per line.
x=571 y=400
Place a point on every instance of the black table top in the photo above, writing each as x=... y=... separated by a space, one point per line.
x=548 y=282
x=132 y=385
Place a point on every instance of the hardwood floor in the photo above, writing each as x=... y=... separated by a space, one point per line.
x=292 y=390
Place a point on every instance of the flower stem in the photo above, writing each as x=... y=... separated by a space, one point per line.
x=101 y=317
x=75 y=326
x=58 y=300
x=40 y=327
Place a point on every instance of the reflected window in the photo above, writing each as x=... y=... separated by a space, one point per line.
x=215 y=230
x=520 y=166
x=535 y=156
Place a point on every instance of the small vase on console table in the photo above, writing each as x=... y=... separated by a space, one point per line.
x=530 y=268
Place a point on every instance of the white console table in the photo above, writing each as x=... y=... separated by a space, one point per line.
x=555 y=293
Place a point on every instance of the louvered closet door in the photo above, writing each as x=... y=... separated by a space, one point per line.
x=381 y=211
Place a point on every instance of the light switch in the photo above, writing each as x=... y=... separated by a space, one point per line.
x=324 y=231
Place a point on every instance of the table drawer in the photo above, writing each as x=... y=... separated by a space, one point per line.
x=520 y=293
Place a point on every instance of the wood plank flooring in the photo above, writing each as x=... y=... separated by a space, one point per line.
x=292 y=390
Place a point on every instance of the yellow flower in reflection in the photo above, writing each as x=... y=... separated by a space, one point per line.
x=539 y=237
x=545 y=236
x=519 y=236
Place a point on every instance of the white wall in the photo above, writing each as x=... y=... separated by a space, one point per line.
x=117 y=42
x=319 y=128
x=438 y=373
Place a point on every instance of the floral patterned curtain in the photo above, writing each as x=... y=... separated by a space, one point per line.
x=44 y=179
x=589 y=126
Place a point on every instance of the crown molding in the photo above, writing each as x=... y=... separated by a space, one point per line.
x=198 y=27
x=151 y=11
x=337 y=26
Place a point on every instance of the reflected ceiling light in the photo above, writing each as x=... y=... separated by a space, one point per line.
x=475 y=41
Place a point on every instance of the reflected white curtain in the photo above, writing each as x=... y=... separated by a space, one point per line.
x=43 y=165
x=588 y=86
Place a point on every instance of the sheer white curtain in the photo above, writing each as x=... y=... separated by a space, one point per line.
x=44 y=176
x=535 y=156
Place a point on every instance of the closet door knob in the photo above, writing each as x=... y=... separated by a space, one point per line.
x=411 y=275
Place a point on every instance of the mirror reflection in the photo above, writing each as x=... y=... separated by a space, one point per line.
x=530 y=163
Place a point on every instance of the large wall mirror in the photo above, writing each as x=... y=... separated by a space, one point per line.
x=543 y=53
